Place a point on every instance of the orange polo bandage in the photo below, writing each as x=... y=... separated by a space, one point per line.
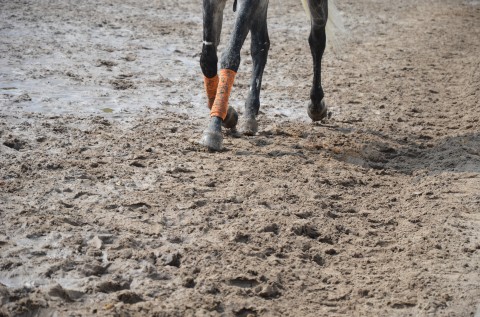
x=211 y=85
x=220 y=105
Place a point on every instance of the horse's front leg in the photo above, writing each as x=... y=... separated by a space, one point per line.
x=212 y=27
x=259 y=51
x=317 y=110
x=230 y=62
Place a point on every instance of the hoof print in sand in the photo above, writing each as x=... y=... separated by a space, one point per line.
x=112 y=286
x=172 y=259
x=129 y=297
x=306 y=230
x=268 y=291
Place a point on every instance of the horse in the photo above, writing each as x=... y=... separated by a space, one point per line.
x=251 y=16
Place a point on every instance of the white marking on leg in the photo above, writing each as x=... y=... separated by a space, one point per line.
x=207 y=43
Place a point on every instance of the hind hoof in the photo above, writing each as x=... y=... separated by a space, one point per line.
x=231 y=119
x=317 y=112
x=249 y=126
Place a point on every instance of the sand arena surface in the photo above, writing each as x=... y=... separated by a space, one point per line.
x=108 y=206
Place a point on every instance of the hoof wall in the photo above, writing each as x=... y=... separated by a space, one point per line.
x=319 y=112
x=212 y=140
x=231 y=119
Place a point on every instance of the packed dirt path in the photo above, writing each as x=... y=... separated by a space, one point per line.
x=109 y=207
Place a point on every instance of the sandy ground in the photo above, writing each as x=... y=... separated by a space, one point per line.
x=109 y=207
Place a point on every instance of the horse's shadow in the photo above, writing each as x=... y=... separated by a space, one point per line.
x=365 y=147
x=458 y=154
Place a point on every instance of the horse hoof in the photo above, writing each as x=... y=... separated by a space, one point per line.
x=231 y=119
x=212 y=137
x=317 y=112
x=212 y=140
x=249 y=126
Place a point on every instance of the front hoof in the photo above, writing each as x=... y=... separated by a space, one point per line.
x=317 y=112
x=212 y=140
x=212 y=137
x=231 y=119
x=249 y=126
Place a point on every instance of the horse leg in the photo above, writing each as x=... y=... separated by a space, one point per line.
x=230 y=62
x=212 y=27
x=259 y=51
x=317 y=110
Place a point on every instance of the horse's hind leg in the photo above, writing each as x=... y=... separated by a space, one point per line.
x=259 y=51
x=317 y=110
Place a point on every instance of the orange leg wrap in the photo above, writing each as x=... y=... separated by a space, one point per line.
x=220 y=105
x=211 y=85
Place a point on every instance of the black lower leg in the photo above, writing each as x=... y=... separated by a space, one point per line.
x=317 y=40
x=259 y=51
x=212 y=25
x=208 y=61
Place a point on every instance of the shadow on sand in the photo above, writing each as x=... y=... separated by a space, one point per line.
x=450 y=154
